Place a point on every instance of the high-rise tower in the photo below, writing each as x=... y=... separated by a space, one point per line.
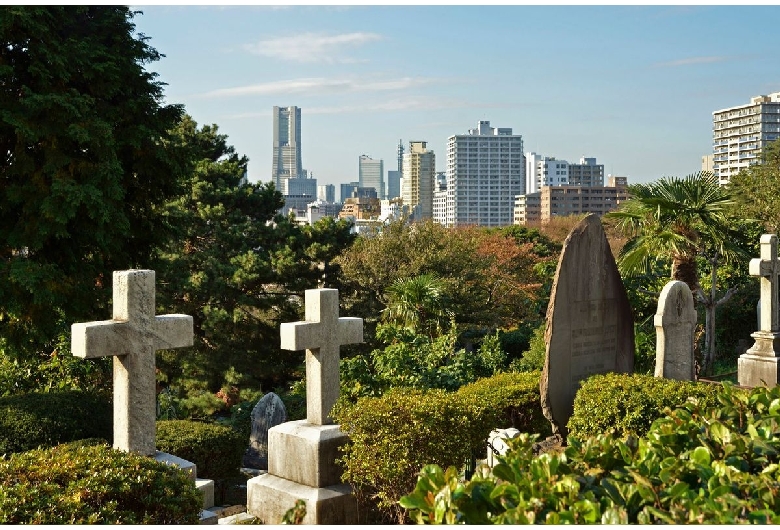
x=418 y=180
x=287 y=145
x=371 y=175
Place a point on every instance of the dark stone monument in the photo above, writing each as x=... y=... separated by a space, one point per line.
x=268 y=413
x=590 y=325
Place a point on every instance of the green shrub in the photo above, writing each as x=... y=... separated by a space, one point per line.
x=215 y=449
x=630 y=403
x=29 y=421
x=393 y=436
x=694 y=466
x=69 y=484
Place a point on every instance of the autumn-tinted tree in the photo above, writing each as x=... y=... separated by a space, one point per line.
x=87 y=163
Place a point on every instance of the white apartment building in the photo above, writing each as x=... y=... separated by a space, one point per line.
x=739 y=134
x=549 y=171
x=418 y=178
x=485 y=172
x=371 y=175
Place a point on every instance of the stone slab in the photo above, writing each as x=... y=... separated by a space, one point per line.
x=497 y=443
x=758 y=370
x=238 y=518
x=305 y=453
x=206 y=487
x=590 y=324
x=270 y=497
x=207 y=517
x=173 y=460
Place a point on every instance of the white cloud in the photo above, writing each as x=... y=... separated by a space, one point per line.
x=319 y=86
x=694 y=60
x=312 y=47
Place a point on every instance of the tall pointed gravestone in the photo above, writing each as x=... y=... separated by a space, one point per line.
x=590 y=325
x=302 y=454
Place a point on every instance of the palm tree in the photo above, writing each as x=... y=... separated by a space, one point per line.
x=678 y=219
x=417 y=302
x=681 y=219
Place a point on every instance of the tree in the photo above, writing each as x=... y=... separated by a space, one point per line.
x=756 y=189
x=238 y=268
x=681 y=220
x=87 y=164
x=417 y=303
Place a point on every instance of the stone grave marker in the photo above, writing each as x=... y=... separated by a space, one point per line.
x=675 y=325
x=268 y=412
x=132 y=337
x=590 y=326
x=302 y=454
x=760 y=365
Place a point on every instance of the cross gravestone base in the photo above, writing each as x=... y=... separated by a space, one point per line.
x=302 y=454
x=760 y=365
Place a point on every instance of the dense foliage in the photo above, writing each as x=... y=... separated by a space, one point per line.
x=215 y=449
x=29 y=421
x=83 y=484
x=695 y=465
x=630 y=403
x=393 y=436
x=88 y=162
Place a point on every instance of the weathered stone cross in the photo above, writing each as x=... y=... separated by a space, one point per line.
x=133 y=337
x=321 y=335
x=767 y=267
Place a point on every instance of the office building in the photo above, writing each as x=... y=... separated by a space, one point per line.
x=345 y=190
x=326 y=192
x=417 y=180
x=739 y=134
x=371 y=174
x=485 y=172
x=287 y=145
x=299 y=186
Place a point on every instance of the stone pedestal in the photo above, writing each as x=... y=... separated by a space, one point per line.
x=301 y=465
x=760 y=365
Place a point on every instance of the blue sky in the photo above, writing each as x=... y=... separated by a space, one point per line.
x=633 y=86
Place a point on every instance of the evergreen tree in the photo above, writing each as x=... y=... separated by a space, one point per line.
x=87 y=164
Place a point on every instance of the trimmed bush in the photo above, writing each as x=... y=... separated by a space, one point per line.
x=393 y=436
x=630 y=403
x=216 y=449
x=30 y=421
x=72 y=484
x=696 y=465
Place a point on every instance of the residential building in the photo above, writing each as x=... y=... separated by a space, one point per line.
x=287 y=145
x=533 y=209
x=440 y=199
x=371 y=174
x=417 y=180
x=739 y=134
x=708 y=163
x=544 y=171
x=391 y=209
x=485 y=172
x=586 y=173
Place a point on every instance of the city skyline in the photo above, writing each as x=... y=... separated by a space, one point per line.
x=633 y=86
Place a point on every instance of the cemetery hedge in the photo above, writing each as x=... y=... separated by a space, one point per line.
x=695 y=465
x=393 y=436
x=630 y=403
x=76 y=484
x=29 y=421
x=215 y=449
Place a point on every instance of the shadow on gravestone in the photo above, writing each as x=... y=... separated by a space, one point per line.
x=267 y=413
x=590 y=325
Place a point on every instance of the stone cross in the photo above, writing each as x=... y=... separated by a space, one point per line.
x=321 y=335
x=132 y=337
x=767 y=267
